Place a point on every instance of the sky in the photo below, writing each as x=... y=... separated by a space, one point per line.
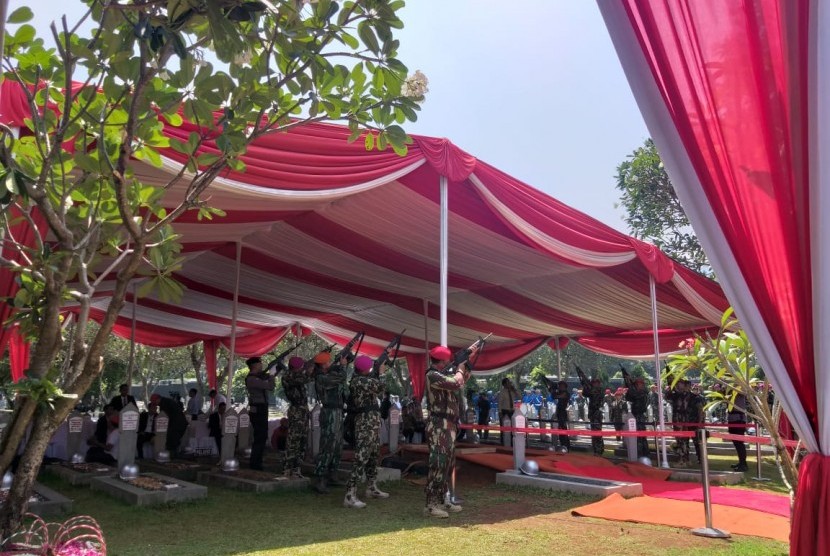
x=532 y=87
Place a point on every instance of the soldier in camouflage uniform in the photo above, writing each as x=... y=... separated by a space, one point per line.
x=595 y=394
x=365 y=388
x=330 y=385
x=681 y=405
x=617 y=411
x=637 y=396
x=294 y=385
x=442 y=384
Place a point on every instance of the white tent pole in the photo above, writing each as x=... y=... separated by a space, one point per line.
x=659 y=371
x=426 y=327
x=444 y=258
x=131 y=364
x=558 y=357
x=233 y=319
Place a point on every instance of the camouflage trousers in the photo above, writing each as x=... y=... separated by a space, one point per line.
x=366 y=449
x=682 y=446
x=297 y=436
x=597 y=442
x=441 y=439
x=642 y=441
x=331 y=441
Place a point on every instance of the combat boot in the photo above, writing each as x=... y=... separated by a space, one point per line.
x=351 y=500
x=450 y=507
x=435 y=511
x=334 y=480
x=374 y=492
x=321 y=485
x=297 y=474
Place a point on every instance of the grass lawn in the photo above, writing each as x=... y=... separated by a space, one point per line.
x=496 y=520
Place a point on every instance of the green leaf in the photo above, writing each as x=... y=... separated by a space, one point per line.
x=20 y=15
x=368 y=37
x=369 y=141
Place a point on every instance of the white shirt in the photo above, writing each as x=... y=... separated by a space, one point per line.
x=112 y=440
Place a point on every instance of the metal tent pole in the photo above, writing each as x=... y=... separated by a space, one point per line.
x=444 y=257
x=234 y=312
x=658 y=370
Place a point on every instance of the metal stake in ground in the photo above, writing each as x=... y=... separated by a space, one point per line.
x=707 y=531
x=758 y=476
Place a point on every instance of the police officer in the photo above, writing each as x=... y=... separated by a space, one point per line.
x=258 y=383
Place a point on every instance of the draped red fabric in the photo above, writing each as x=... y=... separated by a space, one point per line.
x=417 y=365
x=496 y=356
x=640 y=343
x=18 y=353
x=256 y=343
x=563 y=343
x=447 y=159
x=24 y=235
x=812 y=506
x=736 y=80
x=210 y=347
x=729 y=74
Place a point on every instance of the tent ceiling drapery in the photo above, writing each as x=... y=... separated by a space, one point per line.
x=339 y=239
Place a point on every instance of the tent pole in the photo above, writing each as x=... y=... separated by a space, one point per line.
x=558 y=357
x=444 y=257
x=658 y=370
x=233 y=320
x=131 y=364
x=426 y=327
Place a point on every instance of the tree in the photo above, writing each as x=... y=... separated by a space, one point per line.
x=653 y=210
x=729 y=359
x=98 y=102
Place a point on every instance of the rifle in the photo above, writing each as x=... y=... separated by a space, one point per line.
x=629 y=382
x=463 y=355
x=582 y=378
x=383 y=358
x=347 y=349
x=277 y=362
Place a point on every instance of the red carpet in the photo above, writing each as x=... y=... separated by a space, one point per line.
x=676 y=513
x=653 y=480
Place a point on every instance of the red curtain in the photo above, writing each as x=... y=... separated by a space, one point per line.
x=210 y=347
x=736 y=126
x=26 y=236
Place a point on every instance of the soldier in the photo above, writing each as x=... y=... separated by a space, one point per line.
x=654 y=402
x=258 y=383
x=364 y=388
x=442 y=385
x=617 y=410
x=559 y=392
x=637 y=395
x=294 y=385
x=680 y=400
x=697 y=416
x=595 y=394
x=580 y=405
x=330 y=385
x=608 y=399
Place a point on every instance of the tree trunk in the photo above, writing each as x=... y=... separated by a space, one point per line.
x=17 y=504
x=15 y=432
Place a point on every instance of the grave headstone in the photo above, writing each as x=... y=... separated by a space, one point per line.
x=394 y=428
x=230 y=428
x=160 y=439
x=519 y=438
x=128 y=433
x=631 y=441
x=75 y=440
x=243 y=438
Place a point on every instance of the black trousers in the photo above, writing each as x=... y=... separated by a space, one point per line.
x=740 y=447
x=259 y=424
x=564 y=439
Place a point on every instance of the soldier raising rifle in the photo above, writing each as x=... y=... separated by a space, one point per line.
x=594 y=392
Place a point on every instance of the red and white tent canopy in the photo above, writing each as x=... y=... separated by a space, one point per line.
x=336 y=239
